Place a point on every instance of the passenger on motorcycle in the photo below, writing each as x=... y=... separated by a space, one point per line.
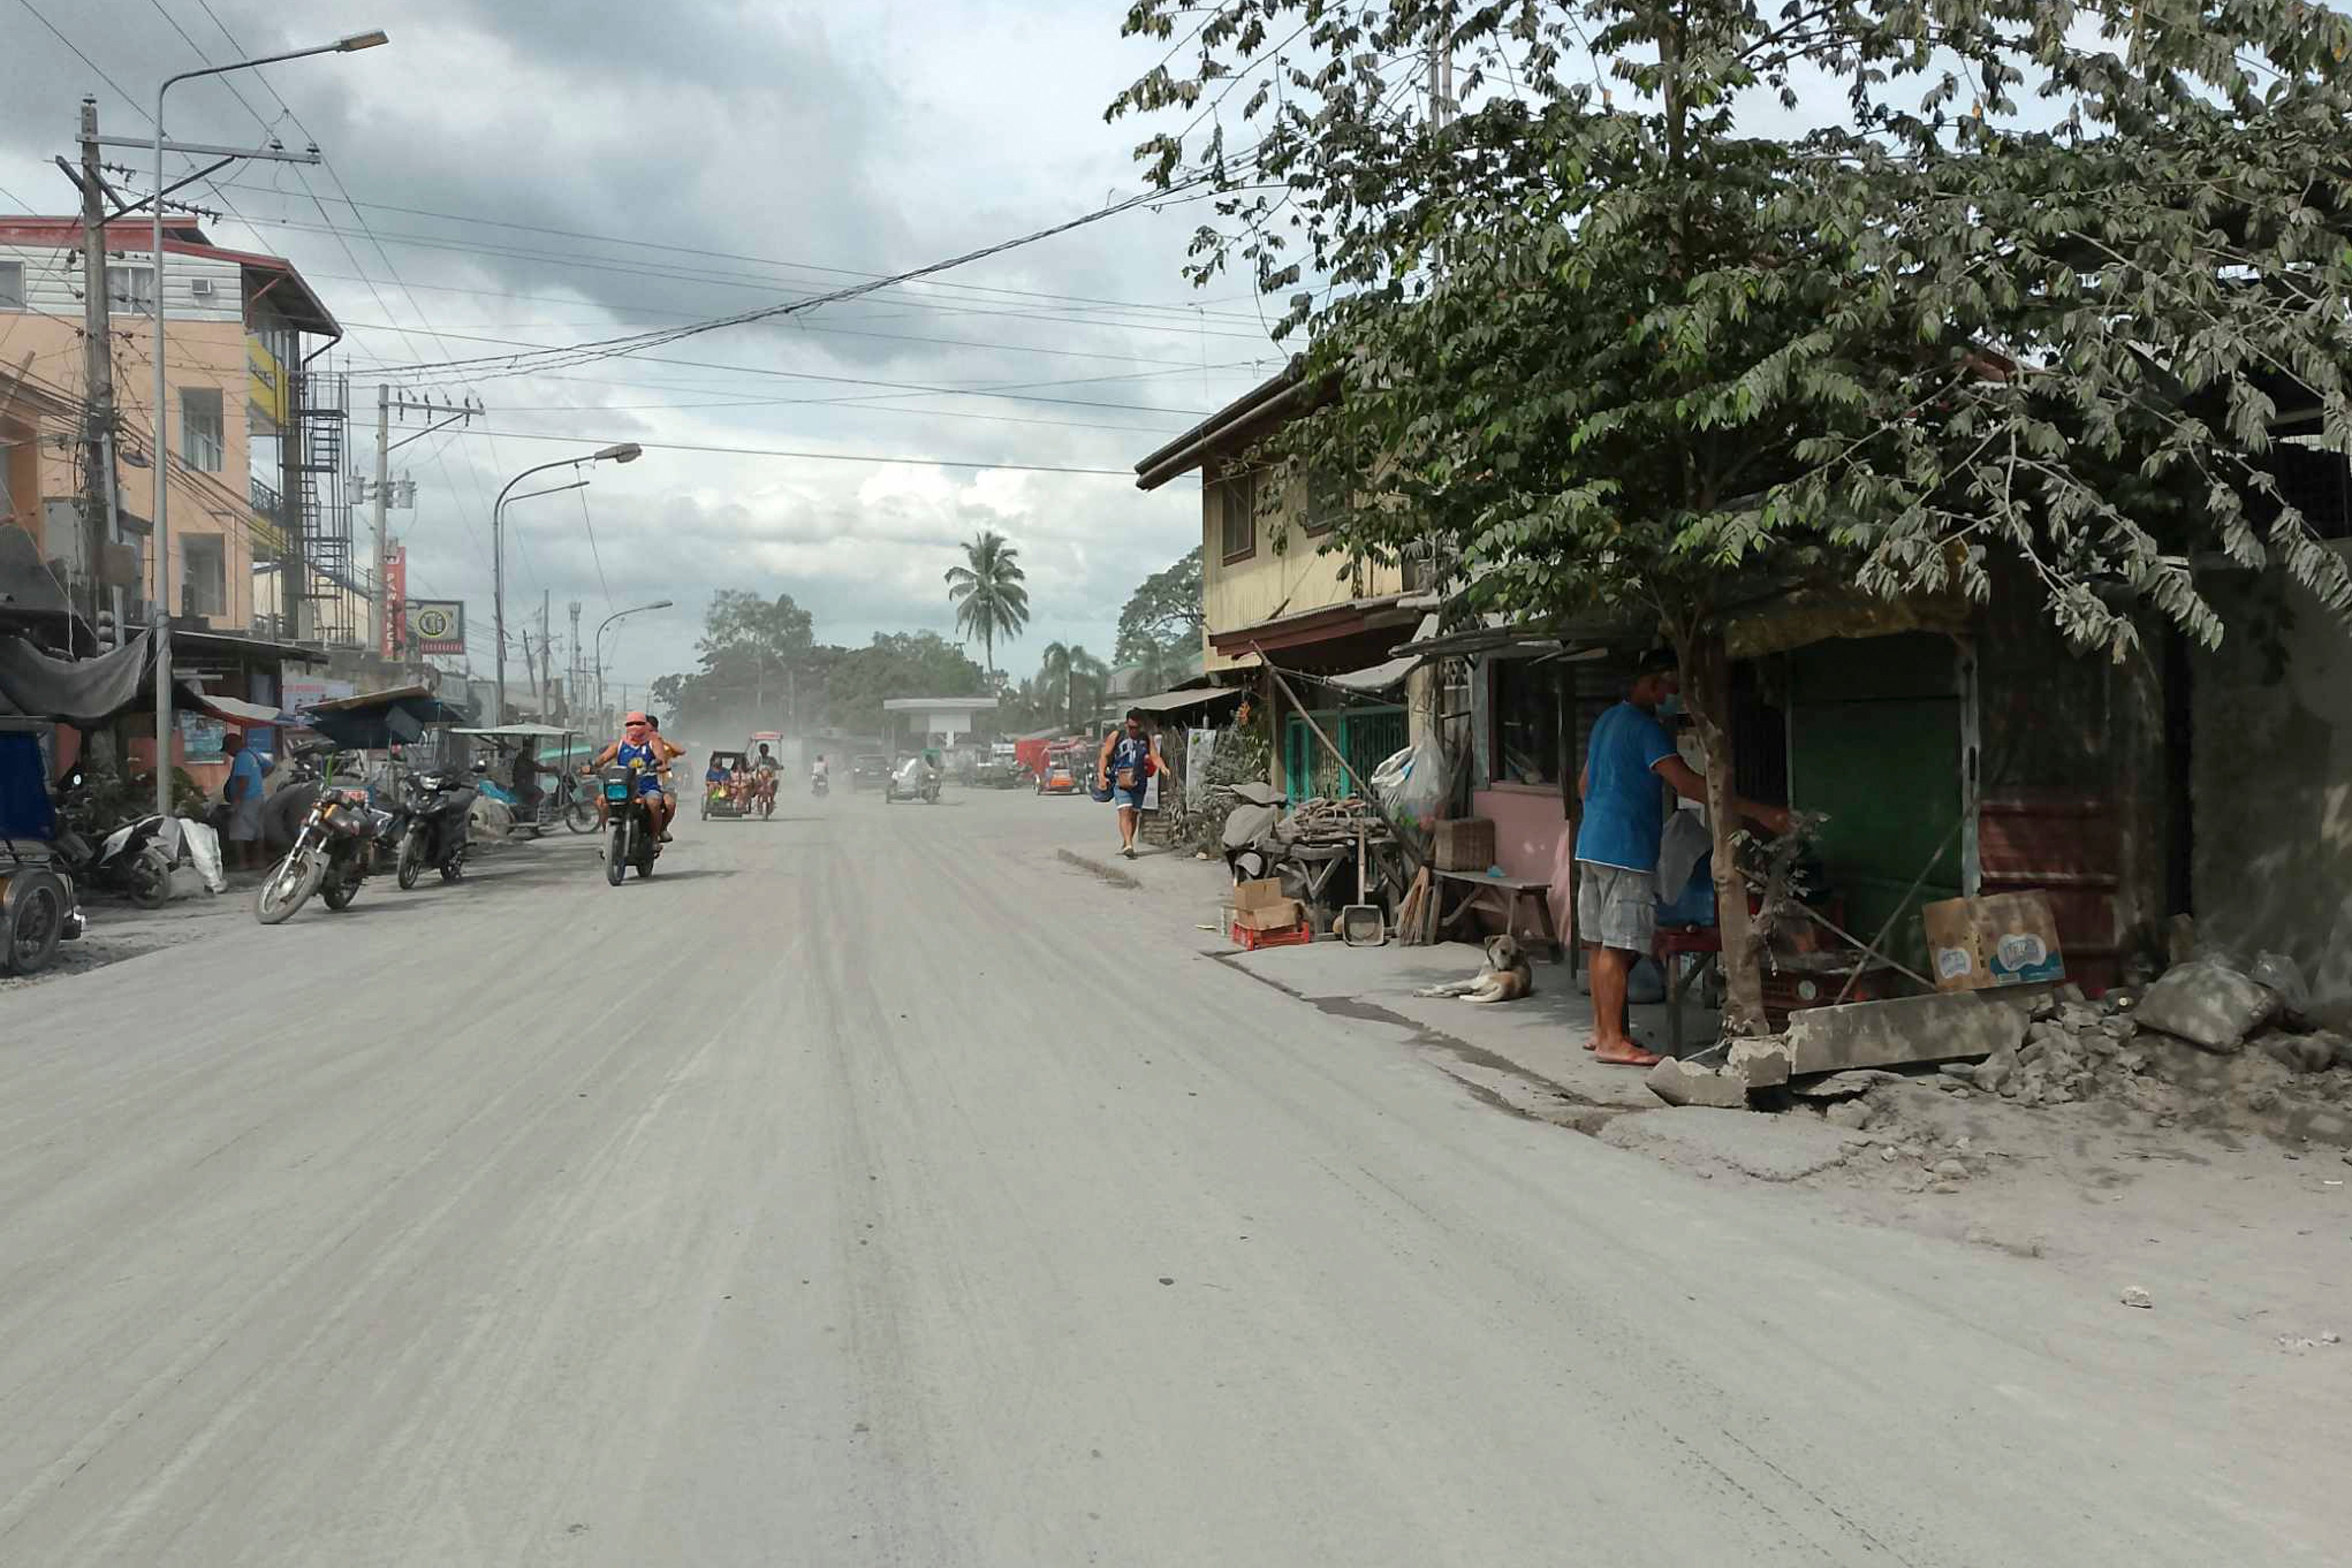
x=763 y=773
x=641 y=747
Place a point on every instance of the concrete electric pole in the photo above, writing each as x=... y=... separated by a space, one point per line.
x=98 y=370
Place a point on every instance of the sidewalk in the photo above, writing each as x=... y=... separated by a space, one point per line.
x=1529 y=1054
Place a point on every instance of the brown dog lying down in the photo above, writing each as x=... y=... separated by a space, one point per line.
x=1506 y=976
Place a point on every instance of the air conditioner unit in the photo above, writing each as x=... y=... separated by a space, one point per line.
x=201 y=287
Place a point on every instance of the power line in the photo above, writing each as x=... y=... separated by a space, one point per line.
x=1182 y=308
x=612 y=348
x=812 y=456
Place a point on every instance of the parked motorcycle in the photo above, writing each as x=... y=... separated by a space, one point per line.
x=134 y=861
x=633 y=840
x=333 y=854
x=439 y=809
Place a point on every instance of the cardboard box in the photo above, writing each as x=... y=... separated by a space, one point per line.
x=1261 y=906
x=2006 y=939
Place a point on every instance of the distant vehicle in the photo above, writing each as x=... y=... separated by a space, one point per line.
x=870 y=771
x=1063 y=772
x=720 y=798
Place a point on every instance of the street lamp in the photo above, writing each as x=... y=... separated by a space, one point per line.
x=162 y=608
x=599 y=644
x=622 y=451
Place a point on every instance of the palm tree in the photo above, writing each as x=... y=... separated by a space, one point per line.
x=987 y=592
x=1087 y=679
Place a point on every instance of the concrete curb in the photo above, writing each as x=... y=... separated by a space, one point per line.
x=1103 y=869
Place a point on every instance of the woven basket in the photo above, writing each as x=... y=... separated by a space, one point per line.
x=1464 y=843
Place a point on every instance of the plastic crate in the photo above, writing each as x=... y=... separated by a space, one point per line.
x=1297 y=935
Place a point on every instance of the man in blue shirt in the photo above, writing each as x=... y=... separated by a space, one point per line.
x=1628 y=758
x=243 y=793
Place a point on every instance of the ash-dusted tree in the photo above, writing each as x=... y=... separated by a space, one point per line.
x=1675 y=303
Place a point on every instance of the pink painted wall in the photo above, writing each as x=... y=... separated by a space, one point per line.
x=1531 y=840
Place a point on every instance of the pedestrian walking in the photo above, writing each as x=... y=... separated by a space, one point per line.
x=1129 y=757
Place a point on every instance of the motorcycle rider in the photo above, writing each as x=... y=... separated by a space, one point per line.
x=641 y=746
x=763 y=772
x=820 y=770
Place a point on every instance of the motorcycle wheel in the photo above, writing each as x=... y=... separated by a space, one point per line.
x=151 y=878
x=616 y=855
x=412 y=861
x=36 y=923
x=580 y=817
x=337 y=893
x=288 y=887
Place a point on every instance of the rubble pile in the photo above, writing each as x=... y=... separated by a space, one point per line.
x=2207 y=1036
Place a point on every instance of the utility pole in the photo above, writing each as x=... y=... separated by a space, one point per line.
x=577 y=662
x=546 y=655
x=97 y=368
x=380 y=601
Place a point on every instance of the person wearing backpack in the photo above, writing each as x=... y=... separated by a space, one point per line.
x=1129 y=758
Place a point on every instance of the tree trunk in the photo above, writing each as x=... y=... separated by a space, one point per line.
x=1707 y=690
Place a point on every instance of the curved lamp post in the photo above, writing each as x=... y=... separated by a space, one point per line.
x=624 y=452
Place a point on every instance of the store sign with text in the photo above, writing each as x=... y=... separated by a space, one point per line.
x=435 y=625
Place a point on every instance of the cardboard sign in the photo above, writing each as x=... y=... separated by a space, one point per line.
x=2005 y=939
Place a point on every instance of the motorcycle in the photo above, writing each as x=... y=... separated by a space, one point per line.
x=575 y=804
x=333 y=854
x=633 y=841
x=818 y=785
x=439 y=811
x=915 y=779
x=764 y=791
x=134 y=859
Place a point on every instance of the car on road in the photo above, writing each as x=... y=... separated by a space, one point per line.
x=869 y=771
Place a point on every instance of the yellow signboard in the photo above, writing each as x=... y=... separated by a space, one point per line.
x=265 y=382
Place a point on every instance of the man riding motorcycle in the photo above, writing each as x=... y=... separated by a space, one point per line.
x=763 y=773
x=641 y=747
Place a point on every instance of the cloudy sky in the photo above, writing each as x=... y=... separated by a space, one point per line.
x=724 y=157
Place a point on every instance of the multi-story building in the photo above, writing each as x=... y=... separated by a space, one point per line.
x=253 y=448
x=1270 y=591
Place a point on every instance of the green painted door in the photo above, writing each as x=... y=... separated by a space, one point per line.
x=1368 y=736
x=1874 y=742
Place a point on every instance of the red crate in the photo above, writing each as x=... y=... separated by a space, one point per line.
x=1293 y=937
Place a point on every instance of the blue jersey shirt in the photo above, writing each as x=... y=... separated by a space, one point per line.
x=1624 y=809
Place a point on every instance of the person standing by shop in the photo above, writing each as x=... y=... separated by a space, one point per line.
x=1630 y=756
x=1129 y=758
x=243 y=794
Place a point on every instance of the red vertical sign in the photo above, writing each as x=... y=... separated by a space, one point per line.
x=395 y=599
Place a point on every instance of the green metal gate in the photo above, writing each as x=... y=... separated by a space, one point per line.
x=1368 y=735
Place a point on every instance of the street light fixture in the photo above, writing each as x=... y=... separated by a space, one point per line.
x=624 y=452
x=351 y=44
x=599 y=644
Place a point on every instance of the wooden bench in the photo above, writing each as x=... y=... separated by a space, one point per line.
x=1501 y=896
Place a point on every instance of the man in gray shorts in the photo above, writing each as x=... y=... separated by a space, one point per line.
x=1627 y=760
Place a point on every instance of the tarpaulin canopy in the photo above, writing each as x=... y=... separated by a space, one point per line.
x=84 y=693
x=519 y=732
x=373 y=720
x=1166 y=702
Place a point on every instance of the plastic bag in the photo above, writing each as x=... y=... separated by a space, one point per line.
x=1410 y=787
x=204 y=849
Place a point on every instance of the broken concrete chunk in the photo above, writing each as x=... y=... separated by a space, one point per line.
x=1682 y=1083
x=1943 y=1026
x=1845 y=1085
x=2135 y=1296
x=1761 y=1063
x=2208 y=1004
x=1850 y=1114
x=1996 y=1073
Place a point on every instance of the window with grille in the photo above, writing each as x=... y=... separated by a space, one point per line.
x=202 y=439
x=131 y=288
x=12 y=286
x=204 y=575
x=1527 y=722
x=1237 y=513
x=1326 y=499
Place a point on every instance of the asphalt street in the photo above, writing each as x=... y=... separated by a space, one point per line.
x=871 y=1187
